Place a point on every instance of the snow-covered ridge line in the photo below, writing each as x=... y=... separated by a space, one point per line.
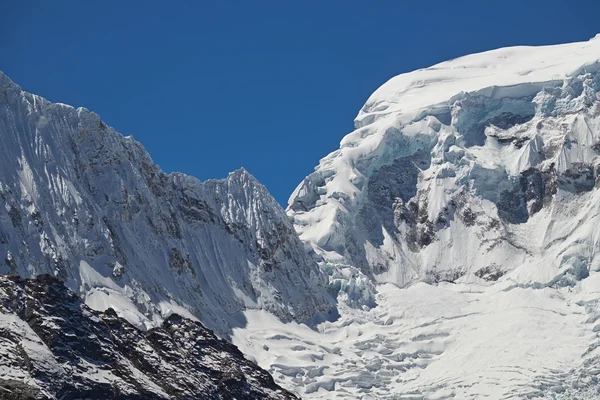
x=83 y=203
x=474 y=188
x=510 y=66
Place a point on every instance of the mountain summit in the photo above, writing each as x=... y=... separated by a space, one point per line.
x=453 y=236
x=469 y=192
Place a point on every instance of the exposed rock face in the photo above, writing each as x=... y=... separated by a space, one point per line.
x=53 y=346
x=87 y=205
x=465 y=170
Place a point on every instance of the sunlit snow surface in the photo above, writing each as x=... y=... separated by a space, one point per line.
x=435 y=342
x=87 y=205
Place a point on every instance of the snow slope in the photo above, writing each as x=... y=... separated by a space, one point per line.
x=449 y=341
x=457 y=226
x=87 y=205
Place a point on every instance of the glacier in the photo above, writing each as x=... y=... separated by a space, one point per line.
x=447 y=249
x=468 y=193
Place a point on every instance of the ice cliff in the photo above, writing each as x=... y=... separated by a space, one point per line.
x=469 y=170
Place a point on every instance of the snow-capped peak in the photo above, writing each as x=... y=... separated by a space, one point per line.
x=83 y=203
x=456 y=138
x=504 y=72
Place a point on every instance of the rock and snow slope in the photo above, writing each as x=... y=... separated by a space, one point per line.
x=53 y=346
x=87 y=205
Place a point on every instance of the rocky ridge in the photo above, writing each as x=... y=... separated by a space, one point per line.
x=83 y=203
x=54 y=346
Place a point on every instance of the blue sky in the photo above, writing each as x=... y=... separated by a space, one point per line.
x=211 y=86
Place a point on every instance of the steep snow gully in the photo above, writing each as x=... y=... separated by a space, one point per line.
x=448 y=249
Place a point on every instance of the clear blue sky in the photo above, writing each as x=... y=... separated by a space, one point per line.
x=211 y=86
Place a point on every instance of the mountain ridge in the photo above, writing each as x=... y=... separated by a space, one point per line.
x=424 y=136
x=84 y=203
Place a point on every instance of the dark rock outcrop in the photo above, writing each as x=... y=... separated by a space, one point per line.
x=54 y=346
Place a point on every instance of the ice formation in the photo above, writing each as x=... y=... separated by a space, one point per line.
x=466 y=170
x=469 y=191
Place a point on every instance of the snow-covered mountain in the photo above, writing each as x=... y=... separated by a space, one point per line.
x=456 y=226
x=87 y=205
x=467 y=170
x=469 y=191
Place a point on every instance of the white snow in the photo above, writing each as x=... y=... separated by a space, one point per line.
x=454 y=142
x=507 y=72
x=85 y=204
x=29 y=343
x=428 y=342
x=101 y=293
